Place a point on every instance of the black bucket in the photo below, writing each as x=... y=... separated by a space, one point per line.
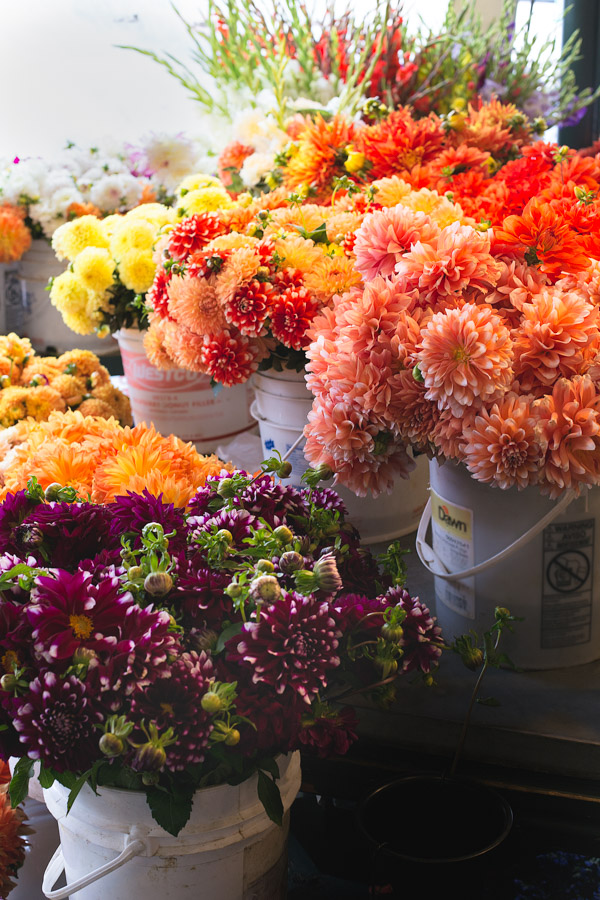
x=449 y=827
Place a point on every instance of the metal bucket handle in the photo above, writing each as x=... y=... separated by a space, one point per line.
x=56 y=867
x=434 y=564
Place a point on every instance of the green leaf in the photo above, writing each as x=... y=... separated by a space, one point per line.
x=171 y=810
x=79 y=783
x=46 y=777
x=19 y=785
x=270 y=797
x=226 y=634
x=269 y=765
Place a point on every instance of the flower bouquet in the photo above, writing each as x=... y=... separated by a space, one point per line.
x=13 y=835
x=162 y=649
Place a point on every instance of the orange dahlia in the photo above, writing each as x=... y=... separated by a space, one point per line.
x=504 y=445
x=399 y=142
x=12 y=833
x=545 y=239
x=554 y=331
x=15 y=236
x=231 y=161
x=193 y=302
x=465 y=357
x=317 y=159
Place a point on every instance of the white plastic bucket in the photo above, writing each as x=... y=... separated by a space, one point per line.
x=180 y=402
x=538 y=557
x=41 y=322
x=281 y=419
x=229 y=850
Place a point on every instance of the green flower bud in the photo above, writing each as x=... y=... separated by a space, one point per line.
x=233 y=737
x=52 y=491
x=283 y=534
x=234 y=590
x=291 y=562
x=264 y=565
x=285 y=469
x=224 y=536
x=157 y=584
x=265 y=588
x=134 y=572
x=211 y=703
x=149 y=757
x=9 y=682
x=150 y=778
x=111 y=745
x=226 y=488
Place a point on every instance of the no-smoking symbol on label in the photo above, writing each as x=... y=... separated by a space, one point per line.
x=568 y=571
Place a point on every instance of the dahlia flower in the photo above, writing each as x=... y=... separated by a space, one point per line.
x=385 y=235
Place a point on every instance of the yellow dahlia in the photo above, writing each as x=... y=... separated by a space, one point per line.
x=94 y=268
x=71 y=238
x=137 y=270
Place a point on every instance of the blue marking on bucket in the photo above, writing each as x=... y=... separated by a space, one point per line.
x=269 y=444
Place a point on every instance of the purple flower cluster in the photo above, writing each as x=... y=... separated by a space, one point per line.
x=142 y=641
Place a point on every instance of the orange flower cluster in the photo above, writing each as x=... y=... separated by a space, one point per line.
x=35 y=386
x=101 y=459
x=481 y=346
x=15 y=236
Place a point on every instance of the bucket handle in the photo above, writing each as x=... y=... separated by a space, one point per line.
x=434 y=564
x=56 y=867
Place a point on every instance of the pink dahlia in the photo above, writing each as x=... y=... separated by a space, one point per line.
x=414 y=414
x=185 y=347
x=173 y=702
x=388 y=233
x=366 y=319
x=570 y=423
x=504 y=445
x=56 y=723
x=457 y=261
x=291 y=646
x=465 y=357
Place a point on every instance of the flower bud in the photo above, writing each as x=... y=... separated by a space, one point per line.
x=202 y=640
x=52 y=491
x=265 y=566
x=324 y=472
x=285 y=469
x=111 y=745
x=150 y=778
x=134 y=572
x=283 y=534
x=291 y=562
x=149 y=757
x=354 y=162
x=158 y=583
x=9 y=682
x=234 y=590
x=224 y=536
x=472 y=658
x=29 y=535
x=4 y=381
x=211 y=703
x=84 y=655
x=393 y=633
x=226 y=488
x=265 y=588
x=326 y=572
x=233 y=737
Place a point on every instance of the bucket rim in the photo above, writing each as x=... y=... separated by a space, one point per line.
x=502 y=802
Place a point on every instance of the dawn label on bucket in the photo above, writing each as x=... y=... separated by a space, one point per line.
x=452 y=533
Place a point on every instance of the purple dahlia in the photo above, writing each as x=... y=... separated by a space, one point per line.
x=68 y=612
x=71 y=531
x=199 y=593
x=291 y=646
x=173 y=701
x=130 y=513
x=421 y=634
x=329 y=731
x=56 y=723
x=13 y=510
x=238 y=521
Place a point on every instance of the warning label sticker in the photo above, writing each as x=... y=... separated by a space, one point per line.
x=452 y=532
x=568 y=576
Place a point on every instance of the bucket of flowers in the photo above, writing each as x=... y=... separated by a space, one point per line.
x=163 y=667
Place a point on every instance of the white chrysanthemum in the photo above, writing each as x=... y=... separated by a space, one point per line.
x=52 y=212
x=256 y=129
x=169 y=158
x=256 y=167
x=23 y=179
x=116 y=192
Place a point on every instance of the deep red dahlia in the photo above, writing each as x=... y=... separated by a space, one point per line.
x=249 y=307
x=291 y=646
x=56 y=723
x=228 y=358
x=193 y=233
x=157 y=296
x=329 y=731
x=68 y=612
x=276 y=717
x=173 y=701
x=199 y=594
x=291 y=315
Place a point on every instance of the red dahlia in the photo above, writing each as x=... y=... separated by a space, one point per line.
x=291 y=315
x=193 y=233
x=157 y=296
x=249 y=307
x=291 y=646
x=228 y=358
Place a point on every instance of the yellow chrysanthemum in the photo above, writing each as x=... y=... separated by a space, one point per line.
x=43 y=400
x=137 y=270
x=15 y=348
x=155 y=213
x=68 y=292
x=231 y=241
x=13 y=405
x=109 y=225
x=132 y=234
x=73 y=237
x=94 y=267
x=206 y=199
x=197 y=181
x=81 y=321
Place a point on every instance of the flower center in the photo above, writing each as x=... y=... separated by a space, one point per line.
x=82 y=626
x=461 y=354
x=167 y=709
x=10 y=661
